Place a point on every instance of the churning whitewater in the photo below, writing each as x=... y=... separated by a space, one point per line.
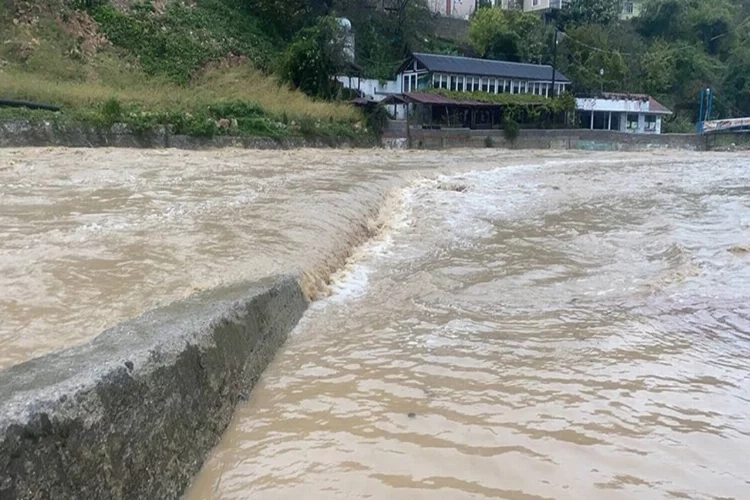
x=488 y=325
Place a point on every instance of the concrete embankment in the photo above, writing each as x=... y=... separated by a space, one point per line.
x=593 y=140
x=21 y=133
x=133 y=413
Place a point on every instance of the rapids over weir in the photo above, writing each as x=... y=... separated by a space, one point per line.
x=481 y=324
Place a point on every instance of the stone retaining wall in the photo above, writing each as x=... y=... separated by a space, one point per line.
x=133 y=413
x=45 y=134
x=595 y=140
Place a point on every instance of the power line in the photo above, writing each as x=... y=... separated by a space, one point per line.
x=597 y=49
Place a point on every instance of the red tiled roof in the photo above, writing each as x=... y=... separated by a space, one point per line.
x=655 y=106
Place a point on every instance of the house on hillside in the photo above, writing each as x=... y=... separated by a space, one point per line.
x=432 y=89
x=635 y=113
x=461 y=9
x=465 y=74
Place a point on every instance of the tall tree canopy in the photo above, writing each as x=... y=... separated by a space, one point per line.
x=314 y=57
x=508 y=35
x=582 y=12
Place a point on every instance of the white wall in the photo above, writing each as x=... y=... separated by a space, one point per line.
x=614 y=105
x=371 y=88
x=529 y=6
x=461 y=9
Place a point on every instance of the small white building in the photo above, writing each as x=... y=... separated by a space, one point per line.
x=370 y=88
x=635 y=113
x=461 y=9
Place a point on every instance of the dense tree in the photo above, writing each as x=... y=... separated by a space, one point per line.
x=584 y=61
x=287 y=17
x=710 y=23
x=584 y=12
x=314 y=57
x=507 y=35
x=736 y=83
x=659 y=68
x=385 y=36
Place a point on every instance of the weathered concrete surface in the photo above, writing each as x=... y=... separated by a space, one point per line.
x=133 y=413
x=20 y=133
x=595 y=140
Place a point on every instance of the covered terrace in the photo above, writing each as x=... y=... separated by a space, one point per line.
x=432 y=110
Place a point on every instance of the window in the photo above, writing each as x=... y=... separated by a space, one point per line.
x=632 y=122
x=535 y=3
x=485 y=85
x=628 y=8
x=410 y=82
x=516 y=87
x=459 y=82
x=650 y=123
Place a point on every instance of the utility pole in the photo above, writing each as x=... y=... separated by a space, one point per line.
x=554 y=63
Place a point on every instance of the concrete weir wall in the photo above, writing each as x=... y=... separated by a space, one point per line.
x=133 y=413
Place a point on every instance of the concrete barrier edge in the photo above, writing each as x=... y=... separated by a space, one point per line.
x=134 y=412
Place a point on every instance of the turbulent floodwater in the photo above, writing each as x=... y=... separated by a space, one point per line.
x=507 y=325
x=578 y=329
x=89 y=238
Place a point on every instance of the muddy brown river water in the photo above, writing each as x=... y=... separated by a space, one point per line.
x=515 y=325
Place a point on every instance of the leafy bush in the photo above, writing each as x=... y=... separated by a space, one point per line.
x=511 y=129
x=314 y=58
x=377 y=118
x=112 y=111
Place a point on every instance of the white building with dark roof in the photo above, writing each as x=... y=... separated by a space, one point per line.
x=465 y=74
x=635 y=113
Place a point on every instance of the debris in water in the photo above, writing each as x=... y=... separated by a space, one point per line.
x=739 y=249
x=452 y=186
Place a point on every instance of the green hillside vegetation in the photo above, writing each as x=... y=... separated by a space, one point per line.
x=671 y=51
x=265 y=66
x=187 y=65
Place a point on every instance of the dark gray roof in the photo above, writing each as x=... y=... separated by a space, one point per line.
x=486 y=67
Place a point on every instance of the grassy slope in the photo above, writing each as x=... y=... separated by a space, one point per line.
x=178 y=60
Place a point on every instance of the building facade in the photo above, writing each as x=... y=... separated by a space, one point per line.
x=463 y=9
x=634 y=113
x=465 y=74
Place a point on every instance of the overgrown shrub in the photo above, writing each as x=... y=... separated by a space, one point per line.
x=314 y=58
x=376 y=118
x=511 y=129
x=185 y=37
